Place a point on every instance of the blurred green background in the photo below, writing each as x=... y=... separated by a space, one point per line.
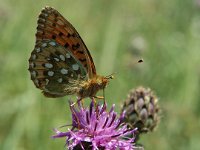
x=166 y=34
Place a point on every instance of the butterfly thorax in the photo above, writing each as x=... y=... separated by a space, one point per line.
x=90 y=87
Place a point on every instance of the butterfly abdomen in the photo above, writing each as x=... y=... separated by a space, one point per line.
x=90 y=87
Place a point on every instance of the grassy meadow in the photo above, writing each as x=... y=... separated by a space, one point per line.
x=166 y=34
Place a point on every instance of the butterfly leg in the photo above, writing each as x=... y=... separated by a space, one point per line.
x=104 y=97
x=95 y=102
x=77 y=102
x=99 y=97
x=80 y=102
x=93 y=99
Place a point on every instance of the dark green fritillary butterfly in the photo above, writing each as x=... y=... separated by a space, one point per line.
x=60 y=63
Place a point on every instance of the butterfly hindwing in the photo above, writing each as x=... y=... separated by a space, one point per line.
x=52 y=25
x=54 y=69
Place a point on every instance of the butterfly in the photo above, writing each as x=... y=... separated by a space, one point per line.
x=60 y=63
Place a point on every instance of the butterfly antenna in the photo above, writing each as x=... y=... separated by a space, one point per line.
x=111 y=76
x=104 y=97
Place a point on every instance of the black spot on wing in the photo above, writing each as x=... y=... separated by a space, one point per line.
x=66 y=45
x=80 y=52
x=75 y=46
x=71 y=35
x=54 y=24
x=60 y=34
x=53 y=37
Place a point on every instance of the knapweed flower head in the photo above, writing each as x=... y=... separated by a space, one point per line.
x=142 y=109
x=94 y=128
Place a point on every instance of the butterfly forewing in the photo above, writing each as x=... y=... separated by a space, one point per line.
x=54 y=69
x=52 y=25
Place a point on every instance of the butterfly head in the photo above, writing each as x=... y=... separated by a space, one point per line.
x=103 y=81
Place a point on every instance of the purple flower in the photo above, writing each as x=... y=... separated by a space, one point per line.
x=96 y=129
